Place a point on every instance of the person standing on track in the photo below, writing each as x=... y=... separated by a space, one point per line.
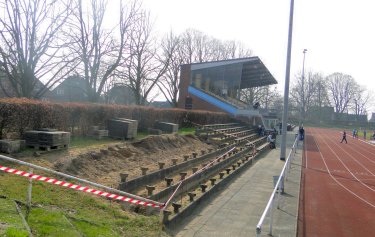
x=344 y=137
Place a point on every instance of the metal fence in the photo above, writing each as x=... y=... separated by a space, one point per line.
x=276 y=191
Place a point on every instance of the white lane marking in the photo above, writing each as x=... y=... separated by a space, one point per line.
x=339 y=183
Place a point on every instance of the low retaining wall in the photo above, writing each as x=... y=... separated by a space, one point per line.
x=144 y=180
x=195 y=180
x=184 y=213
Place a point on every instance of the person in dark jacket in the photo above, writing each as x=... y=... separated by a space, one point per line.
x=301 y=133
x=344 y=137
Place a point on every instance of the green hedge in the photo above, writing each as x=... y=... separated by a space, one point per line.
x=19 y=115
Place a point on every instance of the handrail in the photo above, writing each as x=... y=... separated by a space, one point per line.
x=79 y=180
x=269 y=206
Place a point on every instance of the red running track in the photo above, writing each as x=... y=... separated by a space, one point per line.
x=337 y=187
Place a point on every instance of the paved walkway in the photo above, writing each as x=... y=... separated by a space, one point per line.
x=236 y=210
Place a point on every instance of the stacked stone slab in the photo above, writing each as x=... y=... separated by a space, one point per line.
x=32 y=138
x=49 y=139
x=98 y=133
x=167 y=127
x=122 y=128
x=11 y=146
x=133 y=127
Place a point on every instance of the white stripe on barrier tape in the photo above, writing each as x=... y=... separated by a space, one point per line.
x=78 y=187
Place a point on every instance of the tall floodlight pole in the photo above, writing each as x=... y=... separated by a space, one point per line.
x=286 y=89
x=303 y=89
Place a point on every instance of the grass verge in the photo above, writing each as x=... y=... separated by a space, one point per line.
x=186 y=131
x=58 y=211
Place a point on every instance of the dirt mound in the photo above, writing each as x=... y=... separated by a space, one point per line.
x=170 y=141
x=106 y=164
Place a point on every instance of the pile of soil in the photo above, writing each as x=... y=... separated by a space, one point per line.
x=104 y=165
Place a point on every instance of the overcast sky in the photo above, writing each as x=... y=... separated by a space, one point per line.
x=338 y=34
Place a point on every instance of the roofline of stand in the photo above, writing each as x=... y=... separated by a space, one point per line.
x=225 y=60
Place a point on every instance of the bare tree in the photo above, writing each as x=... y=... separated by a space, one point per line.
x=172 y=57
x=265 y=95
x=312 y=94
x=100 y=50
x=232 y=49
x=319 y=99
x=32 y=53
x=144 y=67
x=277 y=102
x=202 y=47
x=361 y=101
x=188 y=47
x=341 y=88
x=321 y=94
x=198 y=47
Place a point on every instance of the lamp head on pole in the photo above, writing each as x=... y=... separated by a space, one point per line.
x=305 y=50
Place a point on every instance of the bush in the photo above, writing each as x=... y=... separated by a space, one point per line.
x=18 y=115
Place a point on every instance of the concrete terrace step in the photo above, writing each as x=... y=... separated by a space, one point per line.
x=237 y=209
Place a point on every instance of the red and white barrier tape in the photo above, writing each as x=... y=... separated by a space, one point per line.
x=78 y=187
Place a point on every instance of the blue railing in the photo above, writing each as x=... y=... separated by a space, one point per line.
x=212 y=100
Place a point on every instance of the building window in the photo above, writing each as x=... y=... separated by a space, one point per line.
x=60 y=91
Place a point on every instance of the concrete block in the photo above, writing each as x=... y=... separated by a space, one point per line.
x=161 y=165
x=150 y=189
x=10 y=146
x=123 y=177
x=122 y=128
x=191 y=196
x=144 y=170
x=203 y=187
x=166 y=127
x=169 y=181
x=176 y=207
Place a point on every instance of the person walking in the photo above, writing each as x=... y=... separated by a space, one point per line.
x=344 y=137
x=364 y=134
x=301 y=133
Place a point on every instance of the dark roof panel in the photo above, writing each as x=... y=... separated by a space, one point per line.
x=254 y=72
